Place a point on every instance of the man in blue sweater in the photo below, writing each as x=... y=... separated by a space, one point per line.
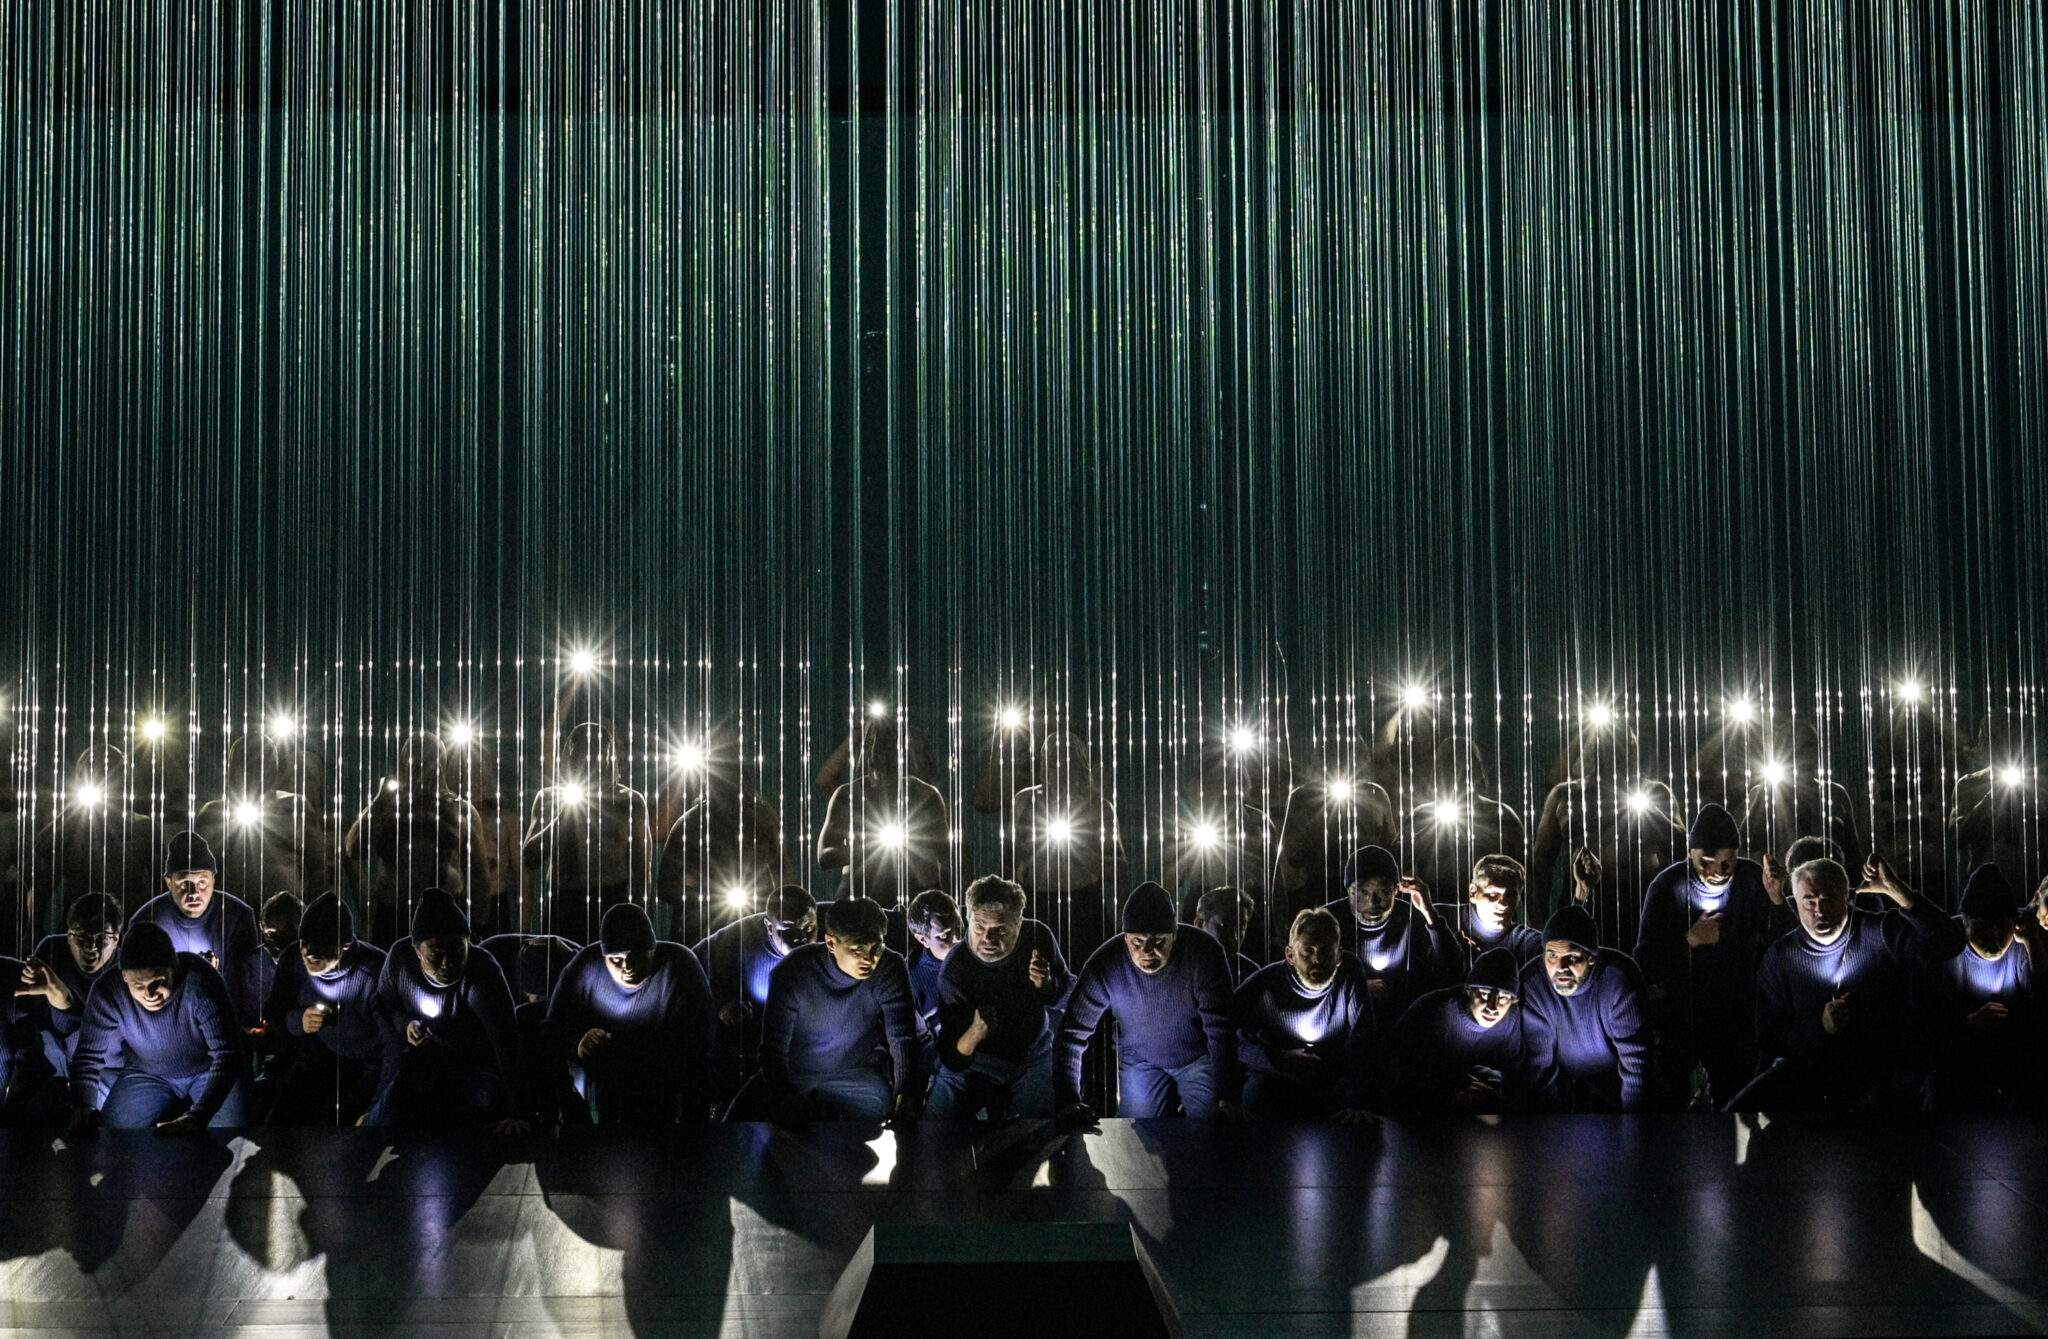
x=1588 y=1045
x=933 y=920
x=1706 y=922
x=159 y=1047
x=62 y=971
x=201 y=918
x=635 y=1016
x=458 y=1068
x=30 y=1092
x=1224 y=914
x=1309 y=1034
x=1835 y=1022
x=1485 y=920
x=344 y=1046
x=737 y=960
x=1985 y=1008
x=1459 y=1049
x=998 y=1004
x=1168 y=986
x=1390 y=929
x=839 y=1041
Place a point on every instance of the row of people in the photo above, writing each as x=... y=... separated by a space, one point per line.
x=1749 y=986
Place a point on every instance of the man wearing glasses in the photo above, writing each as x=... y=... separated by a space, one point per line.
x=62 y=970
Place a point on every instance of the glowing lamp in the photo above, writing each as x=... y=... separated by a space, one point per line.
x=429 y=1002
x=153 y=728
x=1059 y=831
x=1599 y=716
x=877 y=709
x=690 y=758
x=1340 y=791
x=91 y=795
x=582 y=661
x=1742 y=711
x=1414 y=695
x=1910 y=690
x=2012 y=778
x=1379 y=958
x=283 y=726
x=736 y=898
x=1639 y=802
x=392 y=785
x=248 y=814
x=572 y=794
x=1448 y=813
x=462 y=734
x=895 y=836
x=1310 y=1030
x=1244 y=739
x=1774 y=774
x=1011 y=718
x=1205 y=836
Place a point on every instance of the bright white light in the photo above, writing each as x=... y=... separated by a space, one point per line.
x=283 y=726
x=737 y=898
x=1742 y=710
x=153 y=727
x=572 y=793
x=690 y=757
x=878 y=709
x=1910 y=690
x=1449 y=813
x=1205 y=836
x=462 y=734
x=1244 y=739
x=582 y=661
x=1011 y=718
x=893 y=835
x=1599 y=715
x=1340 y=791
x=1775 y=774
x=1059 y=830
x=91 y=795
x=1414 y=695
x=1639 y=801
x=2012 y=777
x=392 y=785
x=248 y=815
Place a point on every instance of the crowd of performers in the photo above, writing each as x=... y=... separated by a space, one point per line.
x=395 y=981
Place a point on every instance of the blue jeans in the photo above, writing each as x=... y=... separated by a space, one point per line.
x=1145 y=1090
x=996 y=1088
x=850 y=1094
x=136 y=1101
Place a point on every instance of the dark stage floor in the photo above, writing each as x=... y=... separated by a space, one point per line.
x=1562 y=1226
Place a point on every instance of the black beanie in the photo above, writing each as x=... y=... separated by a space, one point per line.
x=327 y=923
x=435 y=916
x=1492 y=970
x=146 y=947
x=1713 y=829
x=625 y=929
x=1149 y=911
x=1574 y=925
x=1370 y=862
x=189 y=851
x=1989 y=894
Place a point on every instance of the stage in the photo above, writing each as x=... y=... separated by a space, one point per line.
x=1558 y=1226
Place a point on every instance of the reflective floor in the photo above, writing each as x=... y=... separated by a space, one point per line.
x=1561 y=1226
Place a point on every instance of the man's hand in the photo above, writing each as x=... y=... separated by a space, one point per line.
x=1879 y=877
x=1706 y=930
x=314 y=1018
x=1232 y=1113
x=1377 y=989
x=1586 y=871
x=1834 y=1015
x=212 y=958
x=977 y=1033
x=512 y=1128
x=1416 y=891
x=1475 y=1096
x=1990 y=1014
x=733 y=1013
x=38 y=979
x=1359 y=1116
x=591 y=1042
x=1300 y=1063
x=1076 y=1116
x=189 y=1123
x=1774 y=880
x=1040 y=969
x=416 y=1033
x=84 y=1120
